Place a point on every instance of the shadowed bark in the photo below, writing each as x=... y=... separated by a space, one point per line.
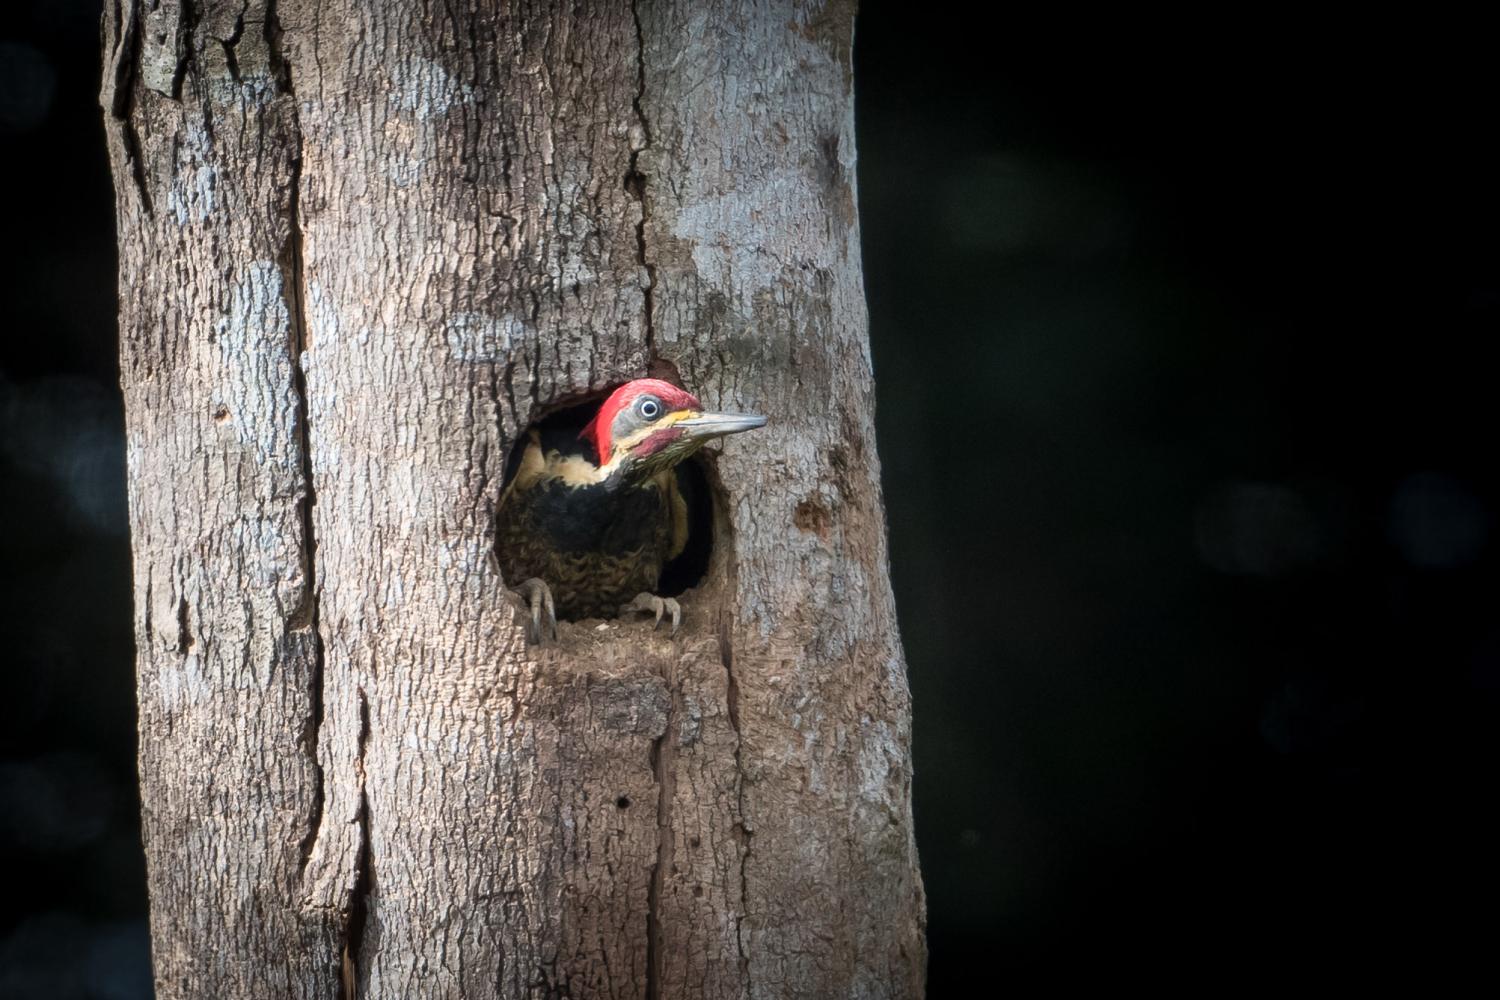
x=362 y=247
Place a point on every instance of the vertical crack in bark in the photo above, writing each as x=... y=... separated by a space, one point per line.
x=664 y=768
x=305 y=616
x=187 y=25
x=732 y=698
x=744 y=829
x=635 y=182
x=351 y=932
x=308 y=614
x=364 y=872
x=120 y=80
x=184 y=628
x=231 y=60
x=146 y=611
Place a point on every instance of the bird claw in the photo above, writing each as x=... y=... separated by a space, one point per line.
x=657 y=606
x=536 y=596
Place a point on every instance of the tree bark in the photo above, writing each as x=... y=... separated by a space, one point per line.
x=362 y=246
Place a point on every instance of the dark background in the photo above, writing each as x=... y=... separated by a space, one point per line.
x=1189 y=456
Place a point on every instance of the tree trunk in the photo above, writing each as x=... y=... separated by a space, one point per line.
x=362 y=247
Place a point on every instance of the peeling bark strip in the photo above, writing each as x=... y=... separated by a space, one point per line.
x=362 y=246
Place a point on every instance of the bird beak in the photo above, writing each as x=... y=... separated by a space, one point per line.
x=703 y=426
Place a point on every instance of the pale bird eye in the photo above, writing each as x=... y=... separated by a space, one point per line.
x=650 y=409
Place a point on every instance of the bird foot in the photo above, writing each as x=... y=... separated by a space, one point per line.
x=536 y=598
x=658 y=606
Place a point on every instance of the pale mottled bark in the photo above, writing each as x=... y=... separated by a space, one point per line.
x=362 y=246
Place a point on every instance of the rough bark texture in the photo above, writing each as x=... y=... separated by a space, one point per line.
x=362 y=246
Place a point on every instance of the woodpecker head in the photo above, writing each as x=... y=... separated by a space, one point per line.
x=649 y=425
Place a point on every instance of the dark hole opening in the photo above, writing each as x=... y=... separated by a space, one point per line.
x=623 y=802
x=562 y=429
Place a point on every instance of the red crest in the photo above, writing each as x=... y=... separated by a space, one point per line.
x=598 y=429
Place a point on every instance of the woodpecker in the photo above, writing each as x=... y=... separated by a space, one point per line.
x=589 y=519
